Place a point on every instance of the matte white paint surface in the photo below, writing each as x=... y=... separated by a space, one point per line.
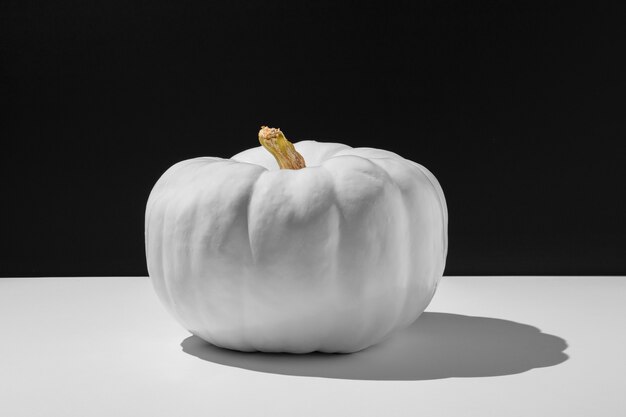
x=487 y=346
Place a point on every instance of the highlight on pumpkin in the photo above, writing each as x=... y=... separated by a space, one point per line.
x=277 y=144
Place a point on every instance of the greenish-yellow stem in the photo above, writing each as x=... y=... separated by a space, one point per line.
x=277 y=144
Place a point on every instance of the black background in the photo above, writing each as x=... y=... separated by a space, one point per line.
x=517 y=108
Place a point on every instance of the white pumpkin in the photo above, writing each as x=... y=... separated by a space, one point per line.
x=332 y=257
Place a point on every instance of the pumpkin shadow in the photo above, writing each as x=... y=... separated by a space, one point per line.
x=436 y=346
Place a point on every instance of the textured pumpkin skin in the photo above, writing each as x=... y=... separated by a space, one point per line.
x=332 y=257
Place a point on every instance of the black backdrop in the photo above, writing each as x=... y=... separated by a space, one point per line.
x=518 y=109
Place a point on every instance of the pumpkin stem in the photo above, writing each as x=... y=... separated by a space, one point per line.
x=277 y=144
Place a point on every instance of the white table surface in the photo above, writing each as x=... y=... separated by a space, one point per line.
x=487 y=346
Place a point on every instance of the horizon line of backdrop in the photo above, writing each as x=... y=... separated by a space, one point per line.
x=516 y=107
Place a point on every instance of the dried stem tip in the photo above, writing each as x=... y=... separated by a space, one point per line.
x=277 y=144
